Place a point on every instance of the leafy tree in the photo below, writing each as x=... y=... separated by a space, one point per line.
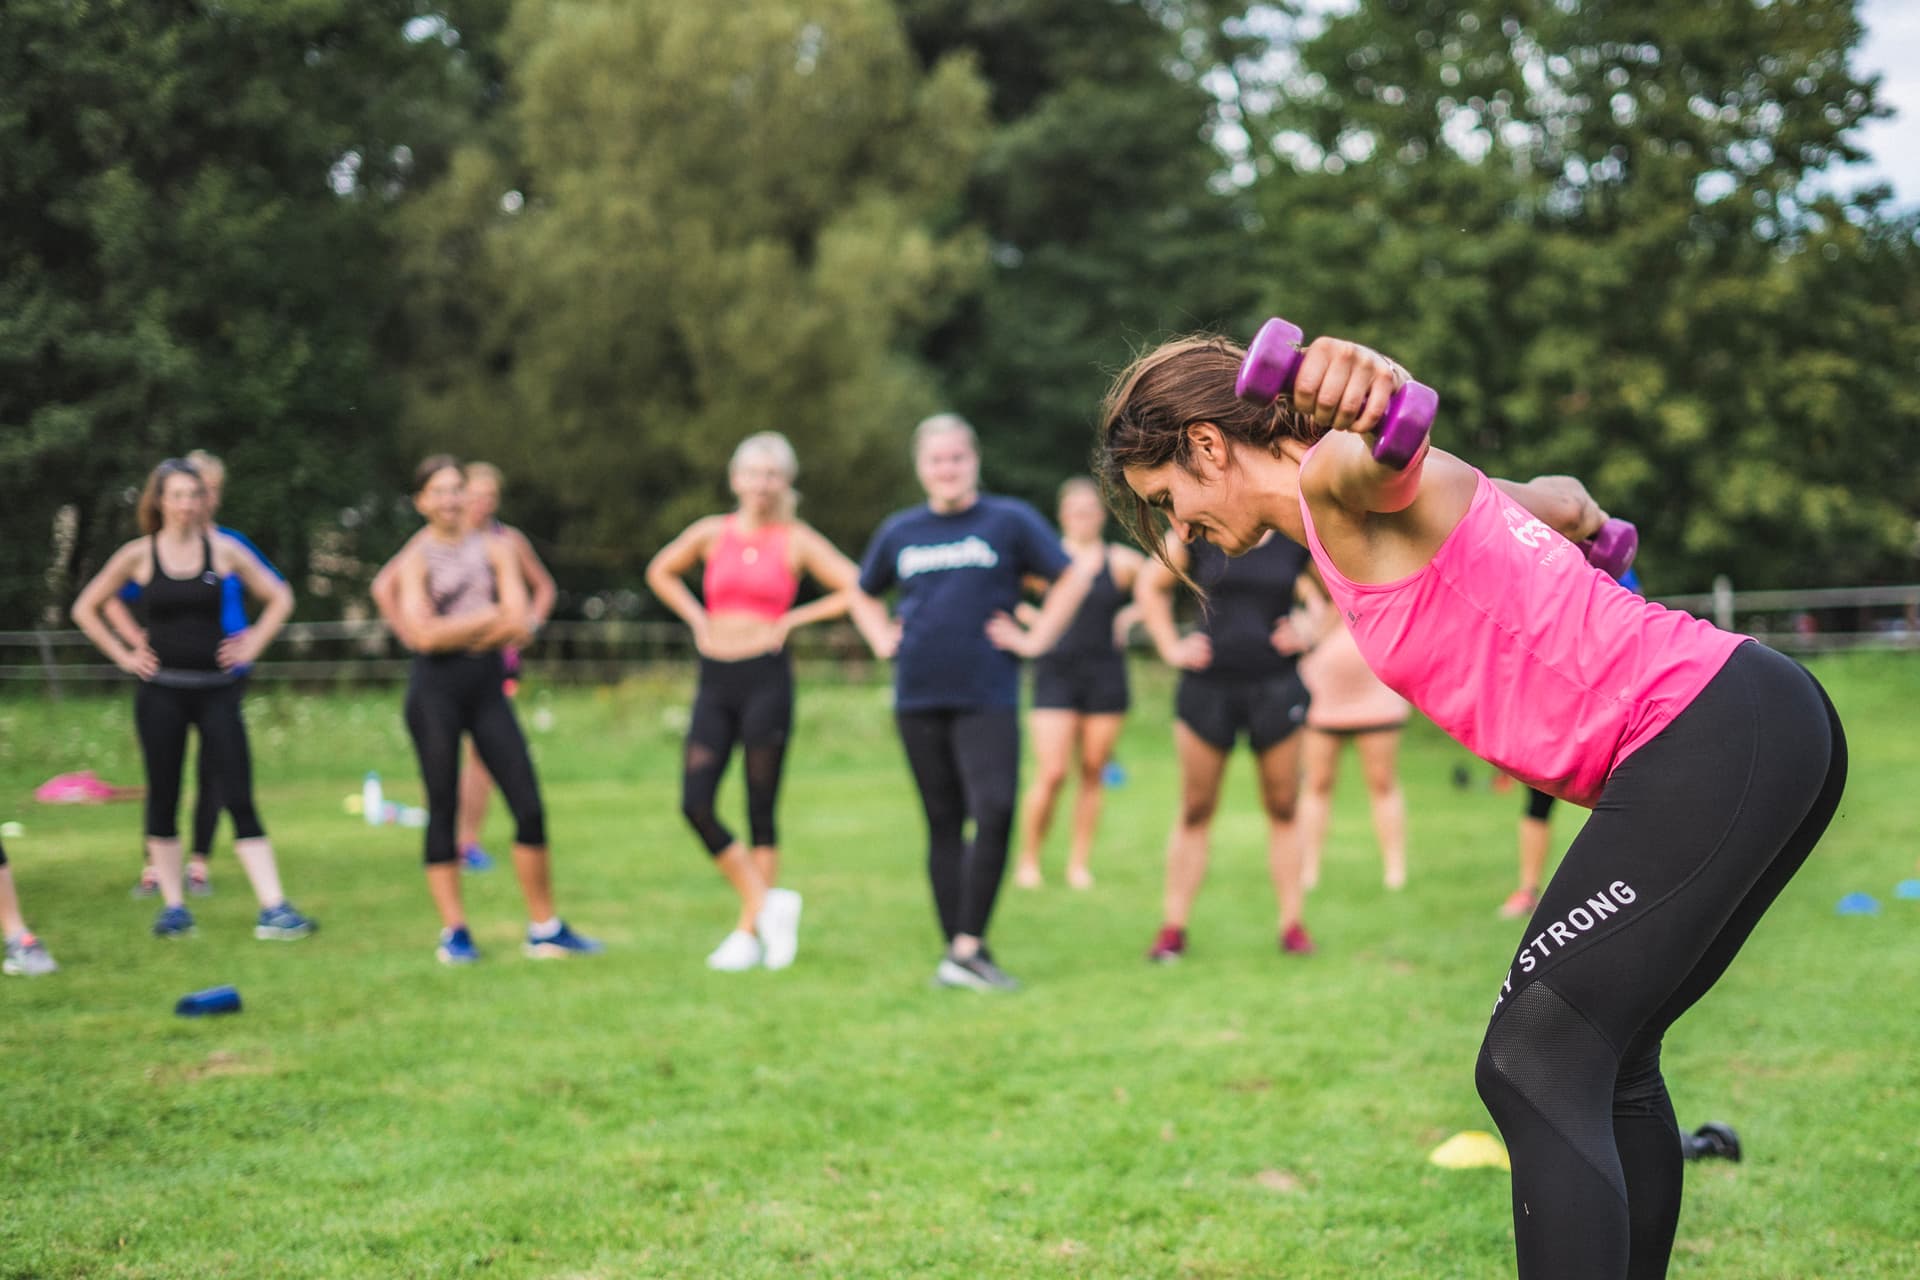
x=695 y=222
x=192 y=254
x=1101 y=191
x=1596 y=229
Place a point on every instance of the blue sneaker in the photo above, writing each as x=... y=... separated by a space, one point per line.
x=563 y=942
x=173 y=922
x=474 y=858
x=283 y=924
x=456 y=947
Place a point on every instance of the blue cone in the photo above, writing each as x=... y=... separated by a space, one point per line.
x=1907 y=889
x=1859 y=904
x=1113 y=775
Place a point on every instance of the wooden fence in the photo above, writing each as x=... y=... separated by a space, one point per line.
x=335 y=653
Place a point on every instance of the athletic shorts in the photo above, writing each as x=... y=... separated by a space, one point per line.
x=1220 y=708
x=1091 y=686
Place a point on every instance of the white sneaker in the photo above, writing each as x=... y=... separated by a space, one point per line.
x=779 y=927
x=736 y=952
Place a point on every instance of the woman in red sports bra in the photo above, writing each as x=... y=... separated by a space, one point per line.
x=753 y=559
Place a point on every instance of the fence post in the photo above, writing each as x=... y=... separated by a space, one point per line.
x=52 y=667
x=1723 y=602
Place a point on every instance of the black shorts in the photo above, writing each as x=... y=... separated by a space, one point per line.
x=1219 y=708
x=1094 y=686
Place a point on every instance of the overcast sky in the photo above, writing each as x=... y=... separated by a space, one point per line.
x=1892 y=49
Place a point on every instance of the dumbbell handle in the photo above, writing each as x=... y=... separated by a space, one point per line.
x=1273 y=361
x=1612 y=549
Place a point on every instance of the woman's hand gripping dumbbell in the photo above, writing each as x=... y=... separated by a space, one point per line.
x=1273 y=362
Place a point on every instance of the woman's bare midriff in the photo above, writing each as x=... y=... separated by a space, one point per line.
x=733 y=637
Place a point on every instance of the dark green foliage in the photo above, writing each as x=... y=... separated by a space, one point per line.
x=193 y=213
x=698 y=222
x=1099 y=193
x=1595 y=230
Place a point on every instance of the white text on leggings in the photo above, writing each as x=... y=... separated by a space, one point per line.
x=1609 y=901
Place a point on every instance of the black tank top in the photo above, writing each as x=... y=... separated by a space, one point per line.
x=1246 y=598
x=1090 y=634
x=183 y=614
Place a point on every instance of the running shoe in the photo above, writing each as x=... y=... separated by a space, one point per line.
x=1295 y=942
x=456 y=947
x=149 y=884
x=1520 y=902
x=977 y=972
x=475 y=859
x=199 y=883
x=1168 y=945
x=173 y=922
x=282 y=924
x=561 y=942
x=736 y=953
x=779 y=928
x=27 y=958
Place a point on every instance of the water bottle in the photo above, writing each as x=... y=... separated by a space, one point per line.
x=371 y=804
x=199 y=1004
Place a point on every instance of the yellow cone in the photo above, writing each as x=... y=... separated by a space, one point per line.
x=1473 y=1149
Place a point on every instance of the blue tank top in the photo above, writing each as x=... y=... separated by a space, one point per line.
x=1246 y=598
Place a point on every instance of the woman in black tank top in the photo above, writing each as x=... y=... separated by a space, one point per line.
x=186 y=671
x=1238 y=675
x=1080 y=694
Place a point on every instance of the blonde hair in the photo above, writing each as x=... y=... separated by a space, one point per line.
x=941 y=424
x=488 y=470
x=205 y=462
x=777 y=449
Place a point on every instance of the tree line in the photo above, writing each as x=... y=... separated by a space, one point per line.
x=599 y=241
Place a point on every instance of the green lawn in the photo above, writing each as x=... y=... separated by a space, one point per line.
x=374 y=1114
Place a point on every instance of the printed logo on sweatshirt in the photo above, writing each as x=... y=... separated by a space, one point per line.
x=969 y=553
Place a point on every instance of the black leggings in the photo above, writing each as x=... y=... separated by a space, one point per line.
x=1694 y=836
x=451 y=694
x=749 y=703
x=206 y=798
x=162 y=715
x=967 y=765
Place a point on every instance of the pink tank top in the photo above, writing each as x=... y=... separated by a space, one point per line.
x=459 y=575
x=1347 y=695
x=1526 y=654
x=748 y=572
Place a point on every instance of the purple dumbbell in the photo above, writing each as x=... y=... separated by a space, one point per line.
x=1274 y=358
x=1611 y=550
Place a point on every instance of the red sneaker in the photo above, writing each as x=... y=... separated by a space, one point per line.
x=1295 y=942
x=1520 y=902
x=1168 y=945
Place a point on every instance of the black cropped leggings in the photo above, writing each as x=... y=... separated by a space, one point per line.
x=162 y=715
x=749 y=703
x=1694 y=836
x=967 y=766
x=452 y=694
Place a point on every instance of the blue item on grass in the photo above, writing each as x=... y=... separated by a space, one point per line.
x=1859 y=904
x=199 y=1004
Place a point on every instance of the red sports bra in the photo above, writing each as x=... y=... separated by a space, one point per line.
x=749 y=573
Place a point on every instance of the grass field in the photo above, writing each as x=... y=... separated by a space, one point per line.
x=374 y=1114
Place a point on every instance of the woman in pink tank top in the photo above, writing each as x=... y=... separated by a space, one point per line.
x=1350 y=705
x=753 y=559
x=1712 y=764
